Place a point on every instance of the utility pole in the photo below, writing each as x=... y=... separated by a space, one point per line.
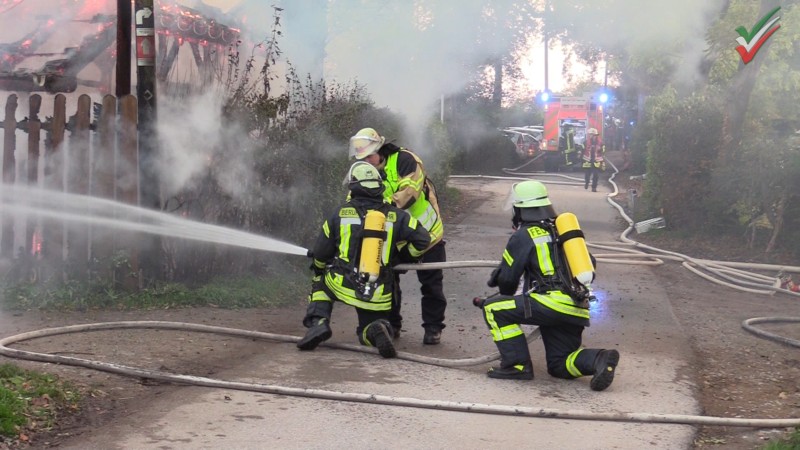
x=544 y=34
x=149 y=184
x=124 y=22
x=149 y=190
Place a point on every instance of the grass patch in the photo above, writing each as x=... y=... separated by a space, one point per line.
x=31 y=402
x=790 y=442
x=226 y=293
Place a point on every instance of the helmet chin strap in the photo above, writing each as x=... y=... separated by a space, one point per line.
x=382 y=162
x=516 y=219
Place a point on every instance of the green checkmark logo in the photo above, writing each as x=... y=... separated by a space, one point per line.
x=751 y=41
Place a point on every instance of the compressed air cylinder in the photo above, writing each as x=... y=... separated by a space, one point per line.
x=574 y=245
x=371 y=246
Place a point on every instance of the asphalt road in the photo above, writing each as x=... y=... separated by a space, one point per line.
x=632 y=315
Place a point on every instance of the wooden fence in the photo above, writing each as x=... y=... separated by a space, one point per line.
x=78 y=155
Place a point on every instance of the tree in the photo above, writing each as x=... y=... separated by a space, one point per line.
x=759 y=152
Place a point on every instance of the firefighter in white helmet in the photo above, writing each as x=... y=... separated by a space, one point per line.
x=593 y=162
x=408 y=187
x=341 y=271
x=551 y=298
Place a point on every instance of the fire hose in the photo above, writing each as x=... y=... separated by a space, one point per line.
x=465 y=407
x=631 y=251
x=734 y=275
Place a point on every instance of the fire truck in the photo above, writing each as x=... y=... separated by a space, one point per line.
x=566 y=120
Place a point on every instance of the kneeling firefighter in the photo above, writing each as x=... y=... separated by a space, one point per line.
x=352 y=260
x=549 y=253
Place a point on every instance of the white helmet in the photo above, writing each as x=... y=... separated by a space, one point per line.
x=366 y=142
x=592 y=131
x=365 y=174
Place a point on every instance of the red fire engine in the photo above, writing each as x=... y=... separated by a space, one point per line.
x=566 y=120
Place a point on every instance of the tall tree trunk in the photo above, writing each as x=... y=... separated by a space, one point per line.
x=777 y=221
x=742 y=88
x=497 y=91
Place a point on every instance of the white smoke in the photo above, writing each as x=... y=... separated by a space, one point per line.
x=407 y=54
x=194 y=139
x=676 y=28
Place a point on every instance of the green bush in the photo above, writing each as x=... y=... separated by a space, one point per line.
x=290 y=285
x=682 y=154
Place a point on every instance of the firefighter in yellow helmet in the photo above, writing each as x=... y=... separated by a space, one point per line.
x=593 y=161
x=551 y=298
x=408 y=187
x=352 y=260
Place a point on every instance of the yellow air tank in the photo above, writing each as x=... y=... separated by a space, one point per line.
x=371 y=246
x=574 y=244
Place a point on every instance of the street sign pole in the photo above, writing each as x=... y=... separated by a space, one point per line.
x=149 y=183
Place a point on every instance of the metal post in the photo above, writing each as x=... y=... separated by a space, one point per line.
x=441 y=110
x=149 y=196
x=546 y=86
x=124 y=22
x=149 y=184
x=544 y=34
x=632 y=195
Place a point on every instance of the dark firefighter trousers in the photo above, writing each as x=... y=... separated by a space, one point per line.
x=431 y=286
x=592 y=174
x=561 y=335
x=324 y=308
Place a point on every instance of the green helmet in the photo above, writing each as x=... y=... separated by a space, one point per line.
x=364 y=174
x=529 y=194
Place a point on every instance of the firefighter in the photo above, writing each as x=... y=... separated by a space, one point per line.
x=593 y=162
x=352 y=260
x=408 y=187
x=550 y=299
x=567 y=143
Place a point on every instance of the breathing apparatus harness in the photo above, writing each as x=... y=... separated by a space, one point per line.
x=561 y=280
x=580 y=268
x=567 y=281
x=569 y=253
x=369 y=271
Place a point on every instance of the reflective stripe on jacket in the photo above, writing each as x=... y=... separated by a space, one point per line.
x=413 y=192
x=593 y=153
x=529 y=255
x=337 y=249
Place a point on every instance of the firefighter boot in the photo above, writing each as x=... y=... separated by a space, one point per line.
x=518 y=372
x=432 y=336
x=319 y=332
x=515 y=360
x=379 y=335
x=605 y=364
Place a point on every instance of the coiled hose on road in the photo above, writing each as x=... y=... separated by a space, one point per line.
x=756 y=283
x=346 y=396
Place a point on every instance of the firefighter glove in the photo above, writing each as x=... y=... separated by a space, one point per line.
x=493 y=278
x=318 y=271
x=404 y=256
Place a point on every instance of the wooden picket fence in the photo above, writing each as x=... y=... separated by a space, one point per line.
x=72 y=150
